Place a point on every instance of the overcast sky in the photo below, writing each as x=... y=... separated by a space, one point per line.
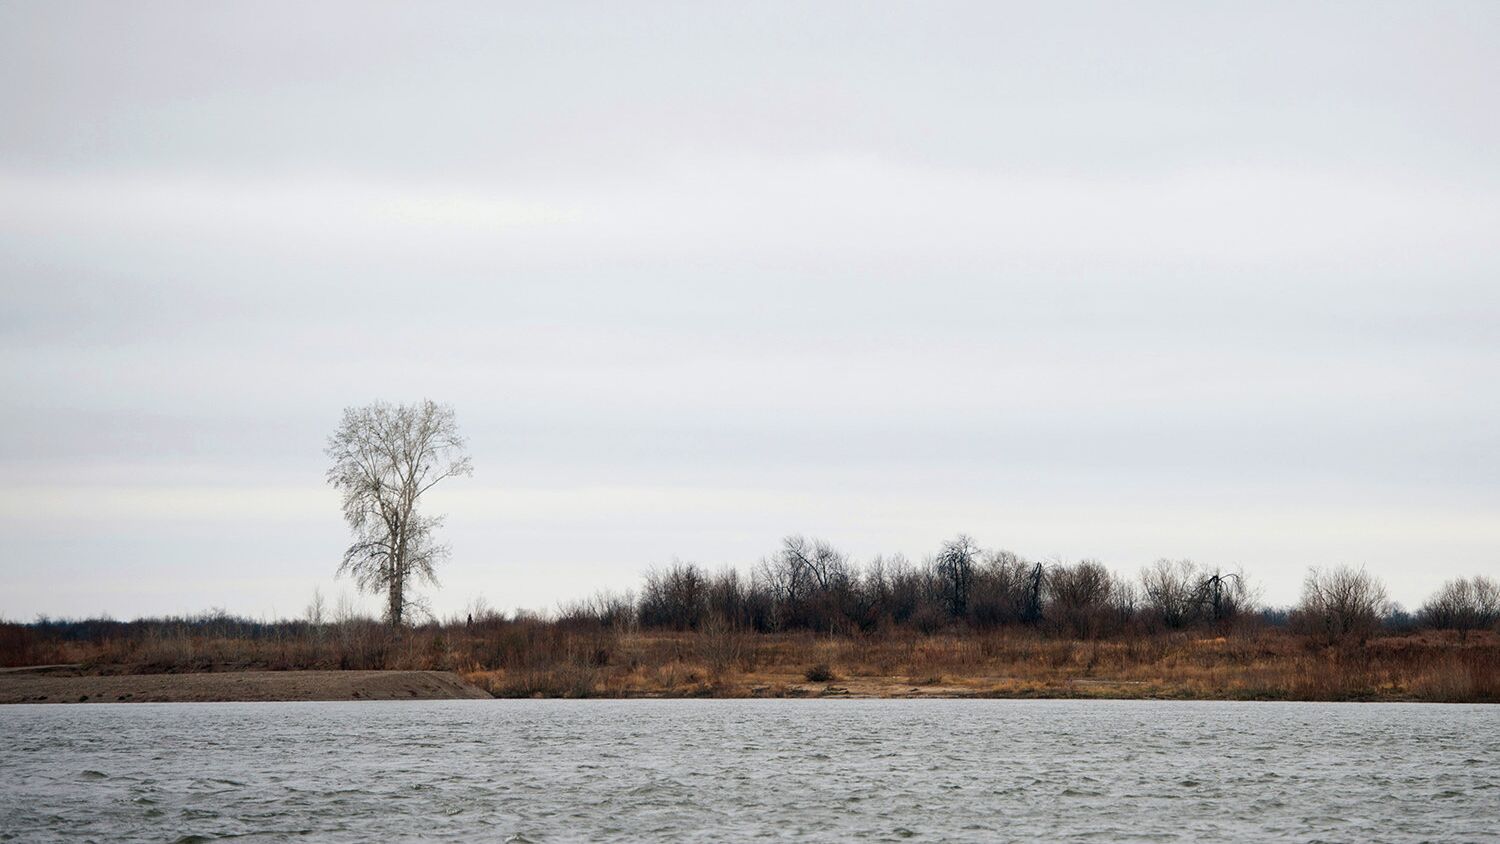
x=1122 y=281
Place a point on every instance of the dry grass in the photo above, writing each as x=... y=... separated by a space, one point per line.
x=530 y=657
x=1269 y=665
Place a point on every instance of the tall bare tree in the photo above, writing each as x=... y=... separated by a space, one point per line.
x=385 y=457
x=954 y=566
x=803 y=573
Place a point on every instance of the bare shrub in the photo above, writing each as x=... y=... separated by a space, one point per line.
x=18 y=645
x=820 y=673
x=720 y=646
x=604 y=610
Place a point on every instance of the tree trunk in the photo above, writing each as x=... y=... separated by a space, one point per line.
x=395 y=608
x=398 y=576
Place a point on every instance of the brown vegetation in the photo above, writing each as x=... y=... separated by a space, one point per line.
x=531 y=657
x=71 y=686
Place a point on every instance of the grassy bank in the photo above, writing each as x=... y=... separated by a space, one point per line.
x=554 y=658
x=1266 y=666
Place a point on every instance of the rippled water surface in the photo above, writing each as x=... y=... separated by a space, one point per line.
x=936 y=770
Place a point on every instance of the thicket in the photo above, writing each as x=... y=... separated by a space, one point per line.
x=808 y=584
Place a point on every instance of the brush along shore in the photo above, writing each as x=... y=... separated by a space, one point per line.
x=1265 y=665
x=536 y=659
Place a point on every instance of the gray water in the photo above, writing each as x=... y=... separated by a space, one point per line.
x=680 y=769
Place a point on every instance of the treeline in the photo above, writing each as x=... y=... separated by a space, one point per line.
x=808 y=584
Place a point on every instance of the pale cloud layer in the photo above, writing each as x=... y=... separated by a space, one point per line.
x=1121 y=282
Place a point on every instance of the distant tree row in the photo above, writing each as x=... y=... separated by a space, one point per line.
x=808 y=584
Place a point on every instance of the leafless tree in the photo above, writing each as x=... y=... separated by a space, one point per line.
x=895 y=589
x=1341 y=603
x=317 y=609
x=1031 y=611
x=1464 y=604
x=804 y=573
x=1078 y=597
x=1173 y=593
x=1007 y=589
x=954 y=566
x=820 y=566
x=738 y=601
x=1222 y=596
x=675 y=596
x=385 y=458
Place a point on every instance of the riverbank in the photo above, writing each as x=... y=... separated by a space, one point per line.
x=531 y=658
x=1256 y=665
x=68 y=684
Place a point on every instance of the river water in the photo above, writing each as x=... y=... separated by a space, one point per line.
x=729 y=770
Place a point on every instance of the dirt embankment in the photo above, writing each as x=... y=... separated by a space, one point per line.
x=63 y=684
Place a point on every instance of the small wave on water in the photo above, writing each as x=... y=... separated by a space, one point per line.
x=728 y=770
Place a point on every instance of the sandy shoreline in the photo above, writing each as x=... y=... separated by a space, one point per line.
x=67 y=684
x=79 y=684
x=58 y=685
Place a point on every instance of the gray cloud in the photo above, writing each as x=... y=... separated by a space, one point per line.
x=1089 y=279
